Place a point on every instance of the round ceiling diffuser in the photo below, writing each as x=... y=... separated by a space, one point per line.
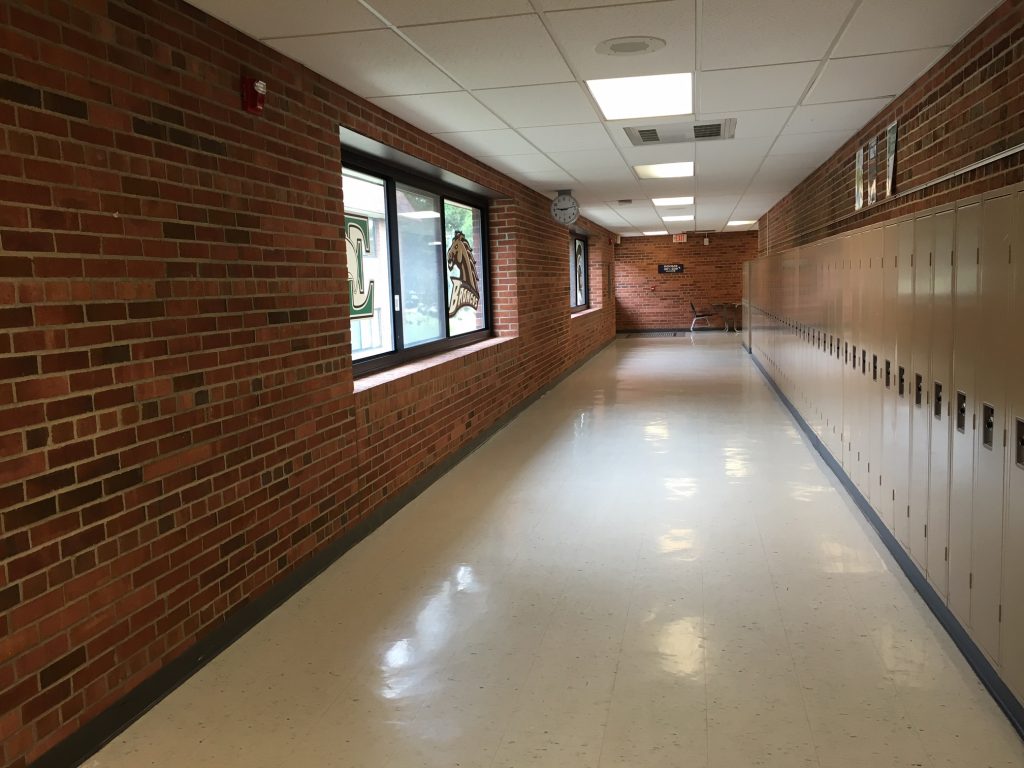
x=630 y=46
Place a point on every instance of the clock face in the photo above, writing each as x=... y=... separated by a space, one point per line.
x=565 y=209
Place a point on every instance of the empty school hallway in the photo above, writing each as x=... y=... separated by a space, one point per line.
x=650 y=566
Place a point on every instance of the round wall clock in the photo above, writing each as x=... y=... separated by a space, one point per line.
x=564 y=208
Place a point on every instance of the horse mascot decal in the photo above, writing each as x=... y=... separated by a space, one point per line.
x=465 y=287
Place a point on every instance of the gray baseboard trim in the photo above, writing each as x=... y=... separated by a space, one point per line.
x=91 y=737
x=988 y=675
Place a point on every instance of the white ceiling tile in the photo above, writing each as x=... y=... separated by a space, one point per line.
x=743 y=33
x=823 y=143
x=725 y=90
x=735 y=158
x=880 y=26
x=579 y=31
x=405 y=12
x=299 y=17
x=534 y=164
x=563 y=5
x=605 y=216
x=488 y=143
x=375 y=63
x=492 y=53
x=665 y=153
x=442 y=112
x=538 y=105
x=589 y=160
x=548 y=181
x=565 y=138
x=865 y=77
x=609 y=193
x=846 y=115
x=754 y=123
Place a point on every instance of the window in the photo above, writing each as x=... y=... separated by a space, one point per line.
x=579 y=288
x=416 y=267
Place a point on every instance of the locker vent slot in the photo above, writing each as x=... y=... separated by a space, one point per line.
x=988 y=425
x=888 y=375
x=874 y=367
x=1020 y=443
x=863 y=361
x=918 y=389
x=854 y=357
x=846 y=352
x=903 y=382
x=938 y=401
x=961 y=412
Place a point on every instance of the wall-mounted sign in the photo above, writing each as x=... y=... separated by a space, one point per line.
x=890 y=159
x=670 y=269
x=858 y=181
x=872 y=171
x=679 y=238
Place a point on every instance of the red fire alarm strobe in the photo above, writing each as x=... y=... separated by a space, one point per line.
x=254 y=93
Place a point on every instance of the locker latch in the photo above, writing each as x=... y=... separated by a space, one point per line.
x=938 y=401
x=918 y=389
x=903 y=382
x=1020 y=443
x=988 y=424
x=961 y=411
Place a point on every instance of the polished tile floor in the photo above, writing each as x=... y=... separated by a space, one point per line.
x=649 y=567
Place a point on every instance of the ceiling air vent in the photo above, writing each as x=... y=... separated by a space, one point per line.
x=681 y=133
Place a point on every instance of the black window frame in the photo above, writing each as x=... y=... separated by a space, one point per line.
x=579 y=237
x=392 y=176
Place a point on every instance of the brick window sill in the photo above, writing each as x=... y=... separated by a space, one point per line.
x=585 y=312
x=381 y=378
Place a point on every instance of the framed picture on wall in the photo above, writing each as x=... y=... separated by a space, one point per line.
x=858 y=181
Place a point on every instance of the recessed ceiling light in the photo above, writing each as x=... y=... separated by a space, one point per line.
x=687 y=217
x=659 y=232
x=626 y=98
x=664 y=170
x=630 y=46
x=666 y=201
x=739 y=223
x=421 y=215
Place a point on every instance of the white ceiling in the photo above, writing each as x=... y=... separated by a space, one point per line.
x=503 y=80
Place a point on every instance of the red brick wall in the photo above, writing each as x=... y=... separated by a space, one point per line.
x=179 y=426
x=647 y=300
x=968 y=107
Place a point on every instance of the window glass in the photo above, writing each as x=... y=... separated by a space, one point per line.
x=463 y=232
x=419 y=253
x=366 y=248
x=578 y=294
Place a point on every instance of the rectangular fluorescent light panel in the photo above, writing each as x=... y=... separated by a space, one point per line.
x=660 y=232
x=627 y=98
x=739 y=223
x=664 y=170
x=687 y=217
x=667 y=201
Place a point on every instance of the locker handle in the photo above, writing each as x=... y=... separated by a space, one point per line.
x=961 y=412
x=988 y=423
x=1020 y=443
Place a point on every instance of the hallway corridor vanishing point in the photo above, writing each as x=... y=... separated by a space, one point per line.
x=649 y=567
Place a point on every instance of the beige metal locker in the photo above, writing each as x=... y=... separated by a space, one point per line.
x=991 y=437
x=941 y=399
x=1012 y=644
x=887 y=352
x=919 y=396
x=874 y=383
x=961 y=471
x=903 y=381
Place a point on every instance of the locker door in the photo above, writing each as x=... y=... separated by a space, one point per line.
x=991 y=436
x=903 y=381
x=874 y=382
x=961 y=471
x=890 y=250
x=858 y=437
x=1012 y=642
x=849 y=331
x=919 y=395
x=942 y=400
